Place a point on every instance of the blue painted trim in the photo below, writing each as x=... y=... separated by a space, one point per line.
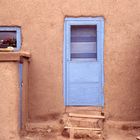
x=102 y=45
x=84 y=18
x=18 y=35
x=99 y=22
x=64 y=63
x=20 y=100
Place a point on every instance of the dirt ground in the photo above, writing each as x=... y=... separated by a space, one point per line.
x=116 y=134
x=110 y=134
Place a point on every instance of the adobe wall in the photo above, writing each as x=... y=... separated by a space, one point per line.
x=9 y=101
x=42 y=24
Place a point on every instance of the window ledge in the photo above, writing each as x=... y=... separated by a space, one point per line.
x=14 y=56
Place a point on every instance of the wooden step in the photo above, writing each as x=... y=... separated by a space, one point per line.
x=83 y=109
x=83 y=128
x=86 y=116
x=83 y=119
x=85 y=122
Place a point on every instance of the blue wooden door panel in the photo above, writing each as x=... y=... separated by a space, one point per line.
x=83 y=62
x=83 y=72
x=87 y=94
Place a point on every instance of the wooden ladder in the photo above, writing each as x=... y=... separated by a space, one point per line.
x=83 y=118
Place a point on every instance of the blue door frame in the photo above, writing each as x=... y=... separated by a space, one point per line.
x=71 y=95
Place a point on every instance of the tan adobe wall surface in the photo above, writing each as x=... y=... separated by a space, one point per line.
x=9 y=100
x=42 y=24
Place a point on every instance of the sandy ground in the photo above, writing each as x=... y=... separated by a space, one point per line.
x=110 y=134
x=115 y=134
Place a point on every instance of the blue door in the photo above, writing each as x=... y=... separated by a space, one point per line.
x=83 y=61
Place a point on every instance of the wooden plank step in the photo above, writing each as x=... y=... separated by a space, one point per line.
x=85 y=110
x=98 y=113
x=82 y=122
x=86 y=116
x=82 y=128
x=83 y=119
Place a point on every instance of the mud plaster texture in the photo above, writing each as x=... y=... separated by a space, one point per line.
x=42 y=23
x=9 y=101
x=110 y=134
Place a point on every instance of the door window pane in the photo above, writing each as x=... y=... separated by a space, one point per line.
x=83 y=42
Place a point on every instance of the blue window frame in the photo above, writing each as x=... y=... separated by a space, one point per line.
x=83 y=47
x=83 y=42
x=11 y=36
x=90 y=22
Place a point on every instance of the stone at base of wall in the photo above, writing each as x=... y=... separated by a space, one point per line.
x=124 y=125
